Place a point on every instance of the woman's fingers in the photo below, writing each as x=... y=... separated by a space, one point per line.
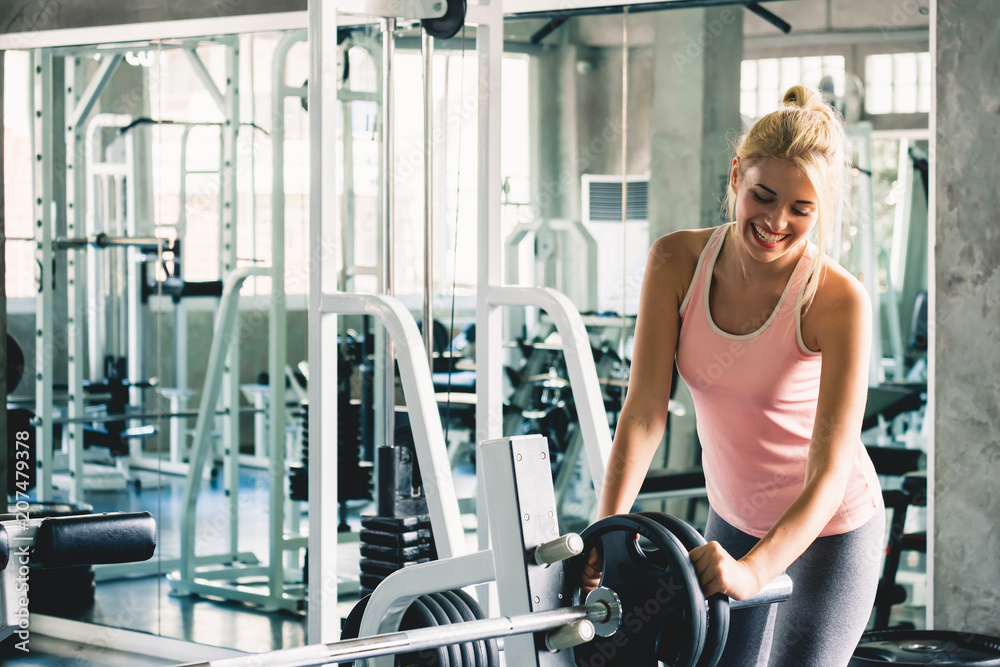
x=708 y=561
x=718 y=572
x=592 y=570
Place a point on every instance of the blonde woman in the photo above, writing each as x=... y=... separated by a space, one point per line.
x=773 y=339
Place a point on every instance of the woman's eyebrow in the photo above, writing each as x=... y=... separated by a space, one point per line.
x=797 y=201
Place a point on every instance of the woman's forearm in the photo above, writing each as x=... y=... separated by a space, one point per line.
x=797 y=528
x=631 y=453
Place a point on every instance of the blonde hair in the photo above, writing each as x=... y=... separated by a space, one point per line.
x=809 y=133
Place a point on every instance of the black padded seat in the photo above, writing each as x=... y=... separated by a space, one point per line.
x=121 y=537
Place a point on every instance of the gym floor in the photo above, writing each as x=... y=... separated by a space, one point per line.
x=146 y=604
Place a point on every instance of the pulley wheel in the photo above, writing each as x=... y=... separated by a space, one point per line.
x=447 y=26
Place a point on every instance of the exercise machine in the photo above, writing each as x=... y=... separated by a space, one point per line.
x=649 y=606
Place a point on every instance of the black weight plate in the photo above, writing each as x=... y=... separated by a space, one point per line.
x=661 y=598
x=492 y=650
x=465 y=615
x=718 y=604
x=351 y=627
x=440 y=619
x=673 y=647
x=926 y=647
x=467 y=655
x=447 y=26
x=419 y=616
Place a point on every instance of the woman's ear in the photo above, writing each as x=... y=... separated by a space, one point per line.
x=734 y=175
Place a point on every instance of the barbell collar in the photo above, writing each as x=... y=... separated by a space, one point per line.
x=612 y=604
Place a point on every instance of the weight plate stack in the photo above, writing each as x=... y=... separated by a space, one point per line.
x=392 y=543
x=428 y=611
x=941 y=648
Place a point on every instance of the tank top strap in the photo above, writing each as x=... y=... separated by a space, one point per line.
x=798 y=278
x=697 y=285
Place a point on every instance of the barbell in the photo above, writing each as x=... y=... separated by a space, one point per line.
x=648 y=608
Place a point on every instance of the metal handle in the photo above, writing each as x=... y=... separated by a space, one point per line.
x=778 y=590
x=559 y=549
x=568 y=636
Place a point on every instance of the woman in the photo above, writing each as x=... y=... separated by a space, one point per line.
x=773 y=339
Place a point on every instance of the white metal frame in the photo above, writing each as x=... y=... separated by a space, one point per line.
x=224 y=581
x=492 y=295
x=576 y=280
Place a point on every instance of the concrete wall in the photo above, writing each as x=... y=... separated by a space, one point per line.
x=34 y=15
x=966 y=377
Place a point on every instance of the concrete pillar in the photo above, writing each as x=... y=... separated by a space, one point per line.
x=696 y=111
x=966 y=364
x=558 y=189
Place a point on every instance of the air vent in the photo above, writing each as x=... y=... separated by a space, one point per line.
x=605 y=203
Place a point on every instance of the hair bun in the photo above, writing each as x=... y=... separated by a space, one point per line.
x=800 y=97
x=797 y=96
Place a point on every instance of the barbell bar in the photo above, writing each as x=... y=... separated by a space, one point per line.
x=598 y=615
x=567 y=627
x=123 y=416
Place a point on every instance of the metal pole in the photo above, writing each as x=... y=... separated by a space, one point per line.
x=427 y=49
x=3 y=310
x=624 y=182
x=388 y=242
x=324 y=624
x=42 y=185
x=418 y=640
x=76 y=291
x=152 y=416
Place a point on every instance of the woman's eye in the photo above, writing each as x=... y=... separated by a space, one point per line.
x=799 y=213
x=761 y=199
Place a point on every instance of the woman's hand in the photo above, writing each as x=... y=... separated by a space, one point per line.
x=719 y=572
x=591 y=577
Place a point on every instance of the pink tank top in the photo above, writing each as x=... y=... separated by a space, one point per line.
x=755 y=398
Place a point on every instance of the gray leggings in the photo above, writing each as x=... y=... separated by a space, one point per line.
x=821 y=624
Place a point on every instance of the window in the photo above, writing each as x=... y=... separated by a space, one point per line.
x=764 y=81
x=898 y=83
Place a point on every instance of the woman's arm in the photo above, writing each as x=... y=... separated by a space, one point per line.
x=669 y=269
x=644 y=413
x=841 y=319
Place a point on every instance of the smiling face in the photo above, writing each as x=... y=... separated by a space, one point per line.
x=776 y=208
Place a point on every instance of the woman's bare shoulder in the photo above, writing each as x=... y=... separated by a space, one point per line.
x=681 y=248
x=838 y=289
x=841 y=304
x=673 y=259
